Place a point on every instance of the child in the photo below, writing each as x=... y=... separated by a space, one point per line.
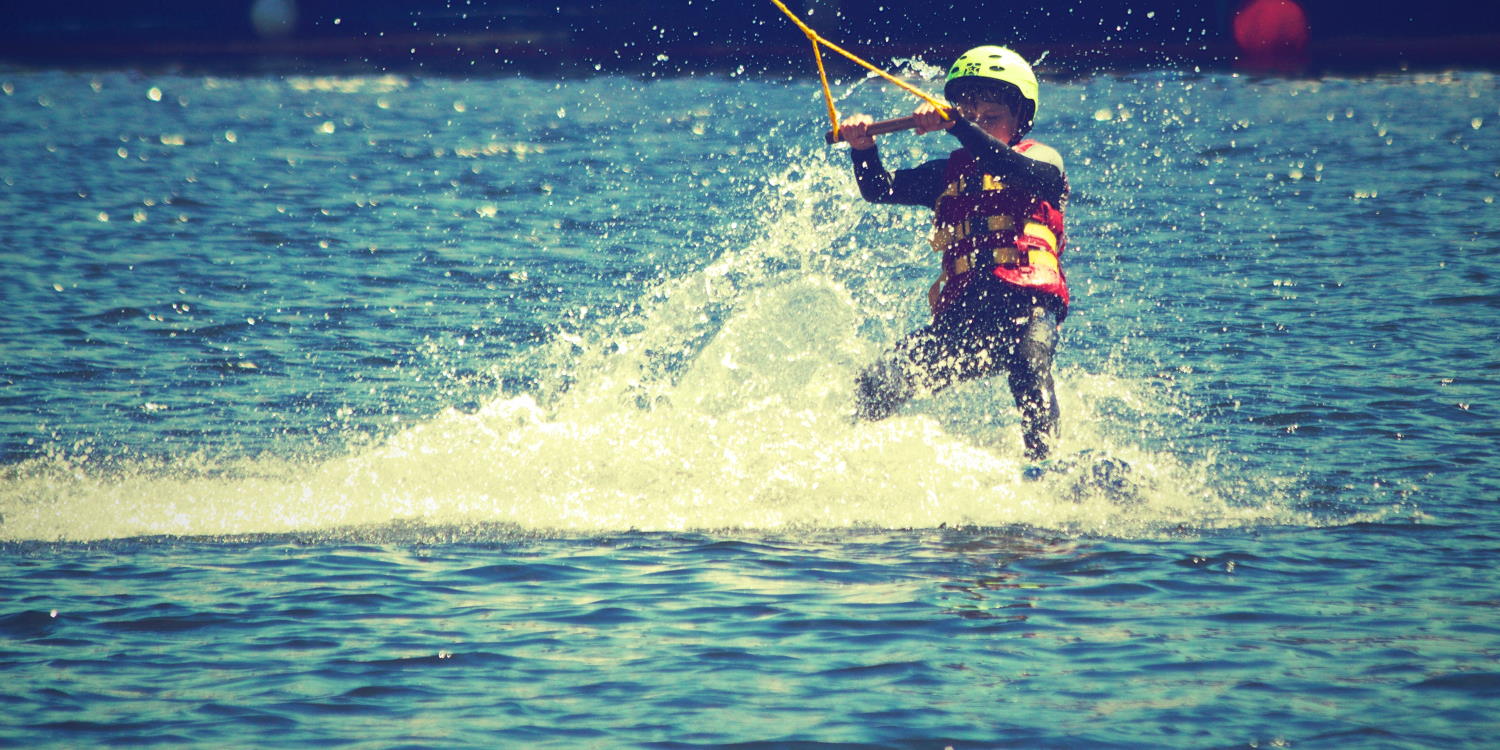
x=998 y=223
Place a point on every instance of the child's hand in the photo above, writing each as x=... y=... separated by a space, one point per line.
x=930 y=119
x=856 y=131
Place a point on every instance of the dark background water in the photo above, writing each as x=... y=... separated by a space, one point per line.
x=465 y=412
x=485 y=36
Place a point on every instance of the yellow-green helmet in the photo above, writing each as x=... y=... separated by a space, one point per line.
x=998 y=67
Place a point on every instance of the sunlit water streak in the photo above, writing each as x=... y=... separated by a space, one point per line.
x=472 y=412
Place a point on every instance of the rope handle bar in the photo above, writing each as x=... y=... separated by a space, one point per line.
x=878 y=128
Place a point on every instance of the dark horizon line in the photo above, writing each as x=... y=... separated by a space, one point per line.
x=487 y=52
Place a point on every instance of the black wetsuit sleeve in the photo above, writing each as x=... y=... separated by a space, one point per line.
x=1039 y=178
x=919 y=186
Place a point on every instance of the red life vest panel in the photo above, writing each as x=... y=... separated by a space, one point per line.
x=980 y=225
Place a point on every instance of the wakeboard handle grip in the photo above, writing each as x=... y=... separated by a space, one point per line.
x=881 y=128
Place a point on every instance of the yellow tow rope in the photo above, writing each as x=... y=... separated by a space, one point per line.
x=816 y=39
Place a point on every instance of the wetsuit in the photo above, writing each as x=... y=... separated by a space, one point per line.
x=990 y=325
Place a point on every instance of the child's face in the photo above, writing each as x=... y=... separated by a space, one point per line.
x=992 y=117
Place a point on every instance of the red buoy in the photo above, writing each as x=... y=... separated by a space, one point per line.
x=1268 y=29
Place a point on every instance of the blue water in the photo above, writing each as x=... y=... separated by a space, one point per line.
x=400 y=411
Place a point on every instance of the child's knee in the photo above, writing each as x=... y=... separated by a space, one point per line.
x=880 y=390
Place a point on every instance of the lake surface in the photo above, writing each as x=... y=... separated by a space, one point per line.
x=404 y=411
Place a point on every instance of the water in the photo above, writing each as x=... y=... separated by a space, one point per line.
x=387 y=411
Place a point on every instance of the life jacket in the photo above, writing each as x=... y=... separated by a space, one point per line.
x=980 y=226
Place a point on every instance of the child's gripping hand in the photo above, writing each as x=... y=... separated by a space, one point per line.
x=856 y=131
x=930 y=119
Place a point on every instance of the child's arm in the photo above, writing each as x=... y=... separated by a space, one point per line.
x=912 y=187
x=1038 y=171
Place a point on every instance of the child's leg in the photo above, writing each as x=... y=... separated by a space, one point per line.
x=925 y=361
x=1031 y=382
x=881 y=389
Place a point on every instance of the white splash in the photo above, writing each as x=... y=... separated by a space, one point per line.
x=748 y=428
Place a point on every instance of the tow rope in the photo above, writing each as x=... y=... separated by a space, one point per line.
x=884 y=126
